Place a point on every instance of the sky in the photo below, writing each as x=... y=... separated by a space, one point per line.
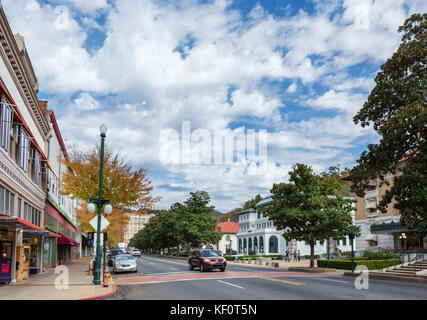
x=162 y=73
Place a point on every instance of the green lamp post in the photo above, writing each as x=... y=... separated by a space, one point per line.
x=99 y=203
x=351 y=237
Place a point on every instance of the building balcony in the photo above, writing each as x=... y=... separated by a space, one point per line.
x=371 y=194
x=371 y=203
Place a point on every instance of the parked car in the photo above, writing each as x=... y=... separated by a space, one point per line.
x=113 y=254
x=125 y=263
x=135 y=253
x=206 y=259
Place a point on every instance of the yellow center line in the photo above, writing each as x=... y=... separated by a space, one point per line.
x=284 y=281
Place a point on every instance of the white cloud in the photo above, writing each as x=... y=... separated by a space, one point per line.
x=164 y=63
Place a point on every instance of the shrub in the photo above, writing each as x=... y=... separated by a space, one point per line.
x=228 y=258
x=380 y=255
x=346 y=264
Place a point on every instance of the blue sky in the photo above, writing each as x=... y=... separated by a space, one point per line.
x=298 y=69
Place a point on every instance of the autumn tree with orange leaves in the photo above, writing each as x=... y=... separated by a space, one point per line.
x=124 y=187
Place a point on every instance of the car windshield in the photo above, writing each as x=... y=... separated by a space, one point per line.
x=124 y=257
x=210 y=253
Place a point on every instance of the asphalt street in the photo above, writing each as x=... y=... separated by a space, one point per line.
x=169 y=279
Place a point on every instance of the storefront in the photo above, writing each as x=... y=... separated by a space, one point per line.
x=21 y=245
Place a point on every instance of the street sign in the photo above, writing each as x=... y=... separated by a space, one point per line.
x=104 y=223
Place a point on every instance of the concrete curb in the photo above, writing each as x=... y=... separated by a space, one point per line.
x=312 y=270
x=389 y=277
x=103 y=296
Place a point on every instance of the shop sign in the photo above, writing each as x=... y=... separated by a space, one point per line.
x=61 y=228
x=5 y=268
x=51 y=223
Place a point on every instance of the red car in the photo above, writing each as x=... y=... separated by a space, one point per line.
x=206 y=260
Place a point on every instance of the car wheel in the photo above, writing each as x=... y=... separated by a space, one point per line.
x=190 y=266
x=222 y=269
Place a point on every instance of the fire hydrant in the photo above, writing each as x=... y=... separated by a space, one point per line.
x=106 y=278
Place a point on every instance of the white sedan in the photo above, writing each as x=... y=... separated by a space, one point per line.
x=125 y=263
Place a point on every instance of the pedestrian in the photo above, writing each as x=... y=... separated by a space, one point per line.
x=299 y=256
x=295 y=256
x=286 y=255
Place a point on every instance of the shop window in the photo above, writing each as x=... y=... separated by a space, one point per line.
x=12 y=204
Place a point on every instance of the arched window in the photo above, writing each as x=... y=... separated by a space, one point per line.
x=273 y=245
x=250 y=245
x=256 y=244
x=240 y=245
x=244 y=246
x=261 y=244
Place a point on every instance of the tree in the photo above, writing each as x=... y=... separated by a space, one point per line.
x=189 y=224
x=123 y=186
x=306 y=209
x=396 y=108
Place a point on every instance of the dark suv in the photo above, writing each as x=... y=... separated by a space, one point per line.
x=206 y=260
x=113 y=254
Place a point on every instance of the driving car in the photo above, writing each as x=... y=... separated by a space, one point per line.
x=206 y=259
x=135 y=253
x=113 y=255
x=124 y=263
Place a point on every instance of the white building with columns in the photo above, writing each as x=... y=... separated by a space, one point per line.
x=258 y=236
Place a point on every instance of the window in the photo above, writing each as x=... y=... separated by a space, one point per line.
x=17 y=146
x=273 y=244
x=24 y=151
x=12 y=204
x=19 y=208
x=344 y=241
x=1 y=199
x=6 y=207
x=36 y=167
x=6 y=116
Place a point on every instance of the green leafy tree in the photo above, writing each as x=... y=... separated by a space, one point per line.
x=306 y=209
x=396 y=108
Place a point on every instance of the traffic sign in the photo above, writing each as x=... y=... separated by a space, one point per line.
x=104 y=223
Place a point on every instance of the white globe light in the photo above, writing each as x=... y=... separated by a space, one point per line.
x=108 y=209
x=91 y=207
x=103 y=128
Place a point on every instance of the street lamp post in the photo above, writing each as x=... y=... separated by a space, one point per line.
x=351 y=237
x=403 y=237
x=99 y=203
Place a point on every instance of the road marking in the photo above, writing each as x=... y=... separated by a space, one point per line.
x=284 y=281
x=230 y=284
x=173 y=268
x=330 y=280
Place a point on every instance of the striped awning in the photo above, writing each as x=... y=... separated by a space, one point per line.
x=12 y=222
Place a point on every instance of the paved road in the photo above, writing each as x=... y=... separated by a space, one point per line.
x=170 y=279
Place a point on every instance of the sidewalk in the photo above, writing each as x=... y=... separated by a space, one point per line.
x=42 y=286
x=288 y=266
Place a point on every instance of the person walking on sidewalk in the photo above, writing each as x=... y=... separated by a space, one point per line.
x=295 y=256
x=287 y=255
x=299 y=256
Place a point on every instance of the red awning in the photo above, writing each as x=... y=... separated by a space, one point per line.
x=64 y=241
x=14 y=222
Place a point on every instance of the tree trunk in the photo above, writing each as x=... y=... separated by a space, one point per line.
x=311 y=254
x=177 y=250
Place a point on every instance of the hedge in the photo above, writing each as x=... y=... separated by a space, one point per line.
x=346 y=264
